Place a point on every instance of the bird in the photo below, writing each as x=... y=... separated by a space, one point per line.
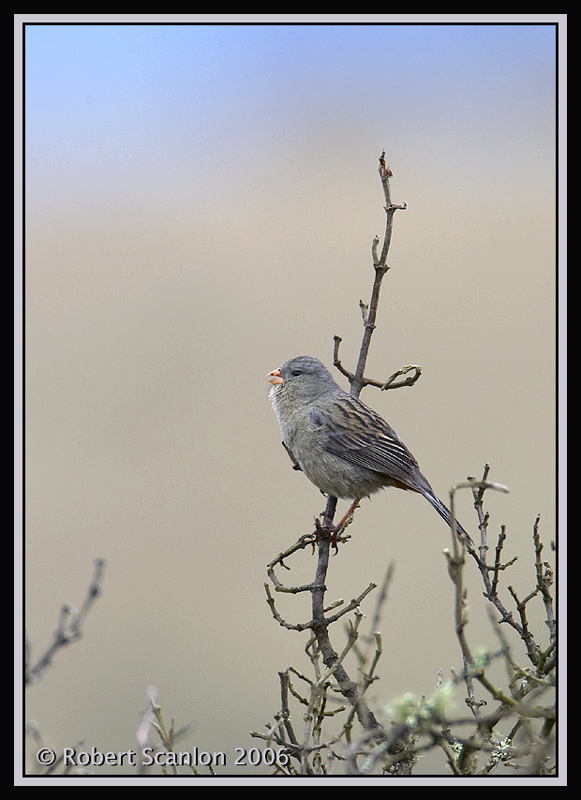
x=343 y=446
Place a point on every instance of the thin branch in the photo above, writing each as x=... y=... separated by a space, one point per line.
x=357 y=380
x=320 y=622
x=70 y=626
x=390 y=383
x=544 y=581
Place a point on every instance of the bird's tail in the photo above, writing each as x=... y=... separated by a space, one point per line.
x=445 y=514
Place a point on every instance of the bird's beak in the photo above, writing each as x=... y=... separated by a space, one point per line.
x=275 y=377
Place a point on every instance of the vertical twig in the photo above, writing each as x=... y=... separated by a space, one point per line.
x=347 y=686
x=380 y=266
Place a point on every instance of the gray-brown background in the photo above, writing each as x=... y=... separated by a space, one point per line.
x=200 y=206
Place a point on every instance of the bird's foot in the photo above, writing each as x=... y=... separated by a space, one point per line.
x=326 y=527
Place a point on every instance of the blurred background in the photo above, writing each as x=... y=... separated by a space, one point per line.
x=200 y=204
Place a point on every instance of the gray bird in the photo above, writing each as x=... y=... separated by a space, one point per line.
x=344 y=447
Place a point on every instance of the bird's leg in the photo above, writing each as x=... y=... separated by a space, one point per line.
x=346 y=519
x=327 y=526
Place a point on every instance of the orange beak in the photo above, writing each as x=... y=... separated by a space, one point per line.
x=275 y=377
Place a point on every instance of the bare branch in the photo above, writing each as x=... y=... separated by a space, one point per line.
x=70 y=626
x=421 y=723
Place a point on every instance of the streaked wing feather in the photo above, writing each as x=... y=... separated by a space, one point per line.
x=375 y=446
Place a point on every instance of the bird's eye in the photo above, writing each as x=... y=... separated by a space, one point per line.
x=296 y=372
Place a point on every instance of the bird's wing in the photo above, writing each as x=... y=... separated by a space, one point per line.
x=359 y=435
x=292 y=457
